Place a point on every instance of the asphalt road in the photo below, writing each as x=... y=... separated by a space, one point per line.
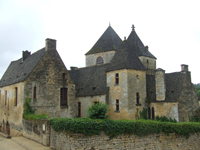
x=20 y=143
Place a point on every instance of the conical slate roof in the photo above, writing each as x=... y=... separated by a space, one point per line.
x=107 y=42
x=133 y=39
x=126 y=58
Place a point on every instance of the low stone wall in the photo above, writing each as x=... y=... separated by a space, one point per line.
x=37 y=130
x=69 y=141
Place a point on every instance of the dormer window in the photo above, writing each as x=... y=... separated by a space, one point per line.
x=99 y=60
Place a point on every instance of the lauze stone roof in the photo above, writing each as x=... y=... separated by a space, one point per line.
x=107 y=42
x=90 y=81
x=133 y=39
x=18 y=70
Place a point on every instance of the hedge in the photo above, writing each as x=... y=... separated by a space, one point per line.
x=116 y=127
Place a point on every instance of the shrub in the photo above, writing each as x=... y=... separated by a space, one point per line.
x=98 y=111
x=114 y=128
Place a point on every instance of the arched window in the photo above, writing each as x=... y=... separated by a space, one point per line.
x=99 y=60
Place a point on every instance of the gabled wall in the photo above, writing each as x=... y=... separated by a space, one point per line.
x=47 y=76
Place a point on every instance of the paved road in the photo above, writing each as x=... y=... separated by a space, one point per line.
x=20 y=143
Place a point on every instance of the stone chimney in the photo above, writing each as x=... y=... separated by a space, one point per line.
x=73 y=68
x=50 y=44
x=184 y=68
x=160 y=84
x=146 y=48
x=25 y=54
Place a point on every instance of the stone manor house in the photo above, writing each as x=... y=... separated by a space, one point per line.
x=122 y=74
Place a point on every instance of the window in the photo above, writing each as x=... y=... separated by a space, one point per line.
x=5 y=97
x=64 y=76
x=153 y=113
x=147 y=61
x=16 y=96
x=79 y=109
x=117 y=78
x=138 y=99
x=34 y=92
x=117 y=105
x=63 y=97
x=99 y=60
x=149 y=113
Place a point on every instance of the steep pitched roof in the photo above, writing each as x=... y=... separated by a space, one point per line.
x=107 y=42
x=90 y=81
x=125 y=58
x=133 y=39
x=18 y=70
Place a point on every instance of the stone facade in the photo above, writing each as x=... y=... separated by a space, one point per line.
x=68 y=141
x=92 y=59
x=11 y=108
x=86 y=102
x=166 y=109
x=149 y=64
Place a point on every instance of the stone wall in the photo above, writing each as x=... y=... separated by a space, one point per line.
x=188 y=99
x=136 y=84
x=118 y=92
x=88 y=101
x=92 y=58
x=11 y=111
x=37 y=130
x=131 y=82
x=149 y=64
x=65 y=141
x=169 y=109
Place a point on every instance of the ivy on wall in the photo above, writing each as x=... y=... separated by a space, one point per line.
x=29 y=113
x=114 y=128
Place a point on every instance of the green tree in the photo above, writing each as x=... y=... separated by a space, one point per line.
x=98 y=111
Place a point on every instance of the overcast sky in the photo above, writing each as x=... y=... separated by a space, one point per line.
x=170 y=28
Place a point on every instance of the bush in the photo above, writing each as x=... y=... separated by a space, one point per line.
x=98 y=111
